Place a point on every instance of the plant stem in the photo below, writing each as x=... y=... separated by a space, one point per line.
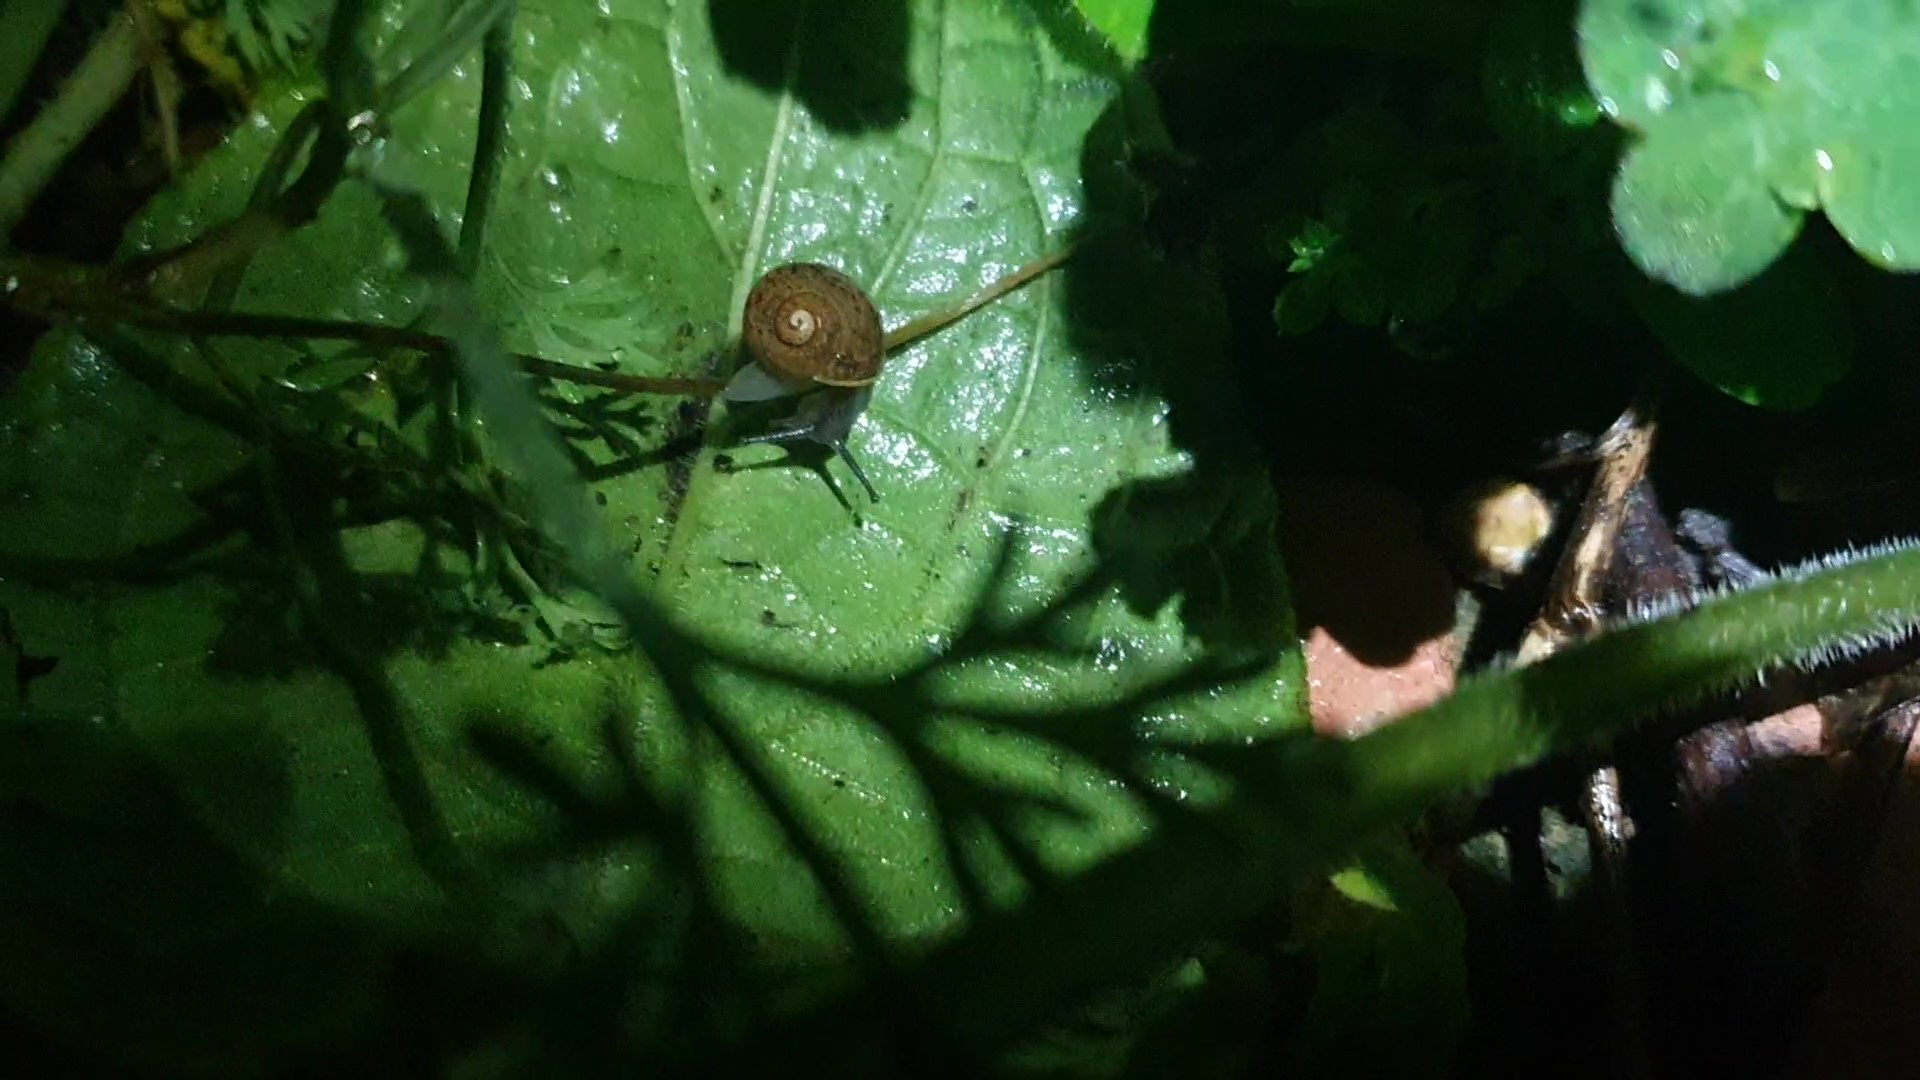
x=915 y=329
x=100 y=81
x=453 y=438
x=342 y=62
x=62 y=293
x=267 y=188
x=1301 y=800
x=240 y=324
x=490 y=142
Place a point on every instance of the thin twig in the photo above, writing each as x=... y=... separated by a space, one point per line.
x=613 y=380
x=43 y=298
x=915 y=329
x=167 y=92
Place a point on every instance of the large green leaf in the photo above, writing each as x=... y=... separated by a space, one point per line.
x=1779 y=341
x=1055 y=465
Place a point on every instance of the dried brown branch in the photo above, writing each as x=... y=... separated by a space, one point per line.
x=1573 y=594
x=1573 y=603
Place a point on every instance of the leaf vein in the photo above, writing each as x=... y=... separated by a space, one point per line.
x=910 y=227
x=1028 y=377
x=683 y=107
x=769 y=180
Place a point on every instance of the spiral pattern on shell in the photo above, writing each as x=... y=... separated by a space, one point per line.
x=809 y=322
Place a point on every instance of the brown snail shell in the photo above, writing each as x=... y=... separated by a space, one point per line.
x=810 y=323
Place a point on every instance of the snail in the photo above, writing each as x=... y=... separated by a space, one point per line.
x=811 y=333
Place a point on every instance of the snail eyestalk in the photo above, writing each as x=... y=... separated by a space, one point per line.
x=853 y=466
x=826 y=419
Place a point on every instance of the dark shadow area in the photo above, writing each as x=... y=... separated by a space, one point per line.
x=1364 y=406
x=1763 y=835
x=265 y=635
x=135 y=933
x=846 y=60
x=623 y=426
x=115 y=880
x=816 y=458
x=1360 y=567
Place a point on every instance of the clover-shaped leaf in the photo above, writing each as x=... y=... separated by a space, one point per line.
x=1689 y=219
x=1751 y=112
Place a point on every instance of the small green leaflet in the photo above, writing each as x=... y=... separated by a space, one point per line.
x=1124 y=22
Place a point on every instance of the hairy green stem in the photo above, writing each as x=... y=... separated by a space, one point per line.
x=1304 y=801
